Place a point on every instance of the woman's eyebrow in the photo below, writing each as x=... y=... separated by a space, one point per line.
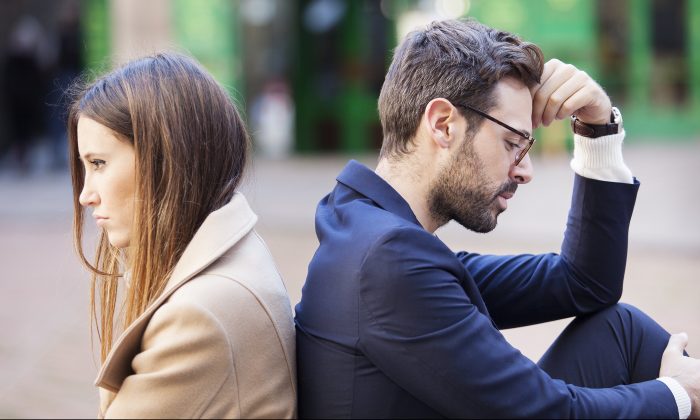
x=90 y=155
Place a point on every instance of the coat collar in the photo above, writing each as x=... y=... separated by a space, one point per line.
x=363 y=180
x=219 y=232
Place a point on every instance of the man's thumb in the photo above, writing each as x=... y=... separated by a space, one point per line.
x=677 y=342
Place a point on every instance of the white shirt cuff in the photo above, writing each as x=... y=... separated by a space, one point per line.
x=681 y=396
x=601 y=158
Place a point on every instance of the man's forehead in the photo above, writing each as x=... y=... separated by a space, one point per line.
x=513 y=104
x=510 y=90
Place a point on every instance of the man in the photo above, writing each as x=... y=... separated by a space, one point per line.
x=394 y=324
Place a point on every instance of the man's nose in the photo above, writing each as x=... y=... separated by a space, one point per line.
x=522 y=173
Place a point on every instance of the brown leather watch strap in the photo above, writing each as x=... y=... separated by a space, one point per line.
x=593 y=131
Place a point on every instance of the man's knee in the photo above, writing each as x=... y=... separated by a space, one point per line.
x=629 y=310
x=623 y=310
x=619 y=316
x=631 y=320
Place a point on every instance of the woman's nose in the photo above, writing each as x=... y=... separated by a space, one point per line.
x=88 y=196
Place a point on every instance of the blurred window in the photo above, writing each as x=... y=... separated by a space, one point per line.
x=613 y=29
x=669 y=42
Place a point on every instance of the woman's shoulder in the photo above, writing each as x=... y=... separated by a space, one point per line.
x=243 y=284
x=250 y=264
x=219 y=292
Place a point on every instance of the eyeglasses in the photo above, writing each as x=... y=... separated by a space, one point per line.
x=530 y=140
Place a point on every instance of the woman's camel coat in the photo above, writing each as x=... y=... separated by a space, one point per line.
x=219 y=341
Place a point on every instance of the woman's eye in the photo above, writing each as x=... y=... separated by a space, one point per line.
x=97 y=163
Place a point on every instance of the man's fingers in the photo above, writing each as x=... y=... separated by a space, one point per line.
x=573 y=105
x=564 y=95
x=547 y=71
x=561 y=73
x=677 y=343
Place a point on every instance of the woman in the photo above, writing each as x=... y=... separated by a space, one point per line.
x=202 y=321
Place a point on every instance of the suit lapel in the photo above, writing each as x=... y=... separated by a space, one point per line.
x=364 y=181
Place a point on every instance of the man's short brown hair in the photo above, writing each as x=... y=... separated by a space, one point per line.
x=459 y=60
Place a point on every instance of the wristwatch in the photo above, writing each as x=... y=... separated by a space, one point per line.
x=593 y=131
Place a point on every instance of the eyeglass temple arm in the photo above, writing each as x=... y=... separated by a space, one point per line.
x=501 y=123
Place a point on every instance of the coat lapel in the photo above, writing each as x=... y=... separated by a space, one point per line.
x=219 y=232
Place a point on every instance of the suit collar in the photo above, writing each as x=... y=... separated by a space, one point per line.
x=219 y=232
x=363 y=180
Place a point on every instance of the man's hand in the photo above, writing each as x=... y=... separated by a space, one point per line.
x=565 y=91
x=684 y=369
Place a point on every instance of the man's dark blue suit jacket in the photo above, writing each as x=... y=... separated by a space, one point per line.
x=392 y=323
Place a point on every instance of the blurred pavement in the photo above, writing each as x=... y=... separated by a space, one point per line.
x=45 y=355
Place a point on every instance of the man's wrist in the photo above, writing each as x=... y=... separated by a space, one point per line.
x=601 y=158
x=599 y=127
x=679 y=394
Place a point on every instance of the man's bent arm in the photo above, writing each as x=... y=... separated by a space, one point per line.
x=587 y=276
x=598 y=159
x=419 y=327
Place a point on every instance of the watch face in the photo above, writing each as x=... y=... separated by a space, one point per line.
x=616 y=116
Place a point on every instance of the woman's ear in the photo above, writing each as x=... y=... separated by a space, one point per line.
x=440 y=117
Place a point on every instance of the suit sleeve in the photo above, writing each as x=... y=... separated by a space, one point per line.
x=184 y=361
x=588 y=274
x=419 y=327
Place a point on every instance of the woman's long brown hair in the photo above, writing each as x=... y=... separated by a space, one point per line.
x=191 y=150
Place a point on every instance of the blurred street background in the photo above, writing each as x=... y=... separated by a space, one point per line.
x=306 y=75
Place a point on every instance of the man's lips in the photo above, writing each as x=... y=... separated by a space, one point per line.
x=506 y=193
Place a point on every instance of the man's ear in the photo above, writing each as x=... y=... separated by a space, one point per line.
x=440 y=117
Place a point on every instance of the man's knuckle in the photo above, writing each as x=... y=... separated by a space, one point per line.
x=566 y=110
x=538 y=103
x=556 y=98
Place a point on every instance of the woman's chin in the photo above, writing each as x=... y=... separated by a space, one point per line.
x=118 y=241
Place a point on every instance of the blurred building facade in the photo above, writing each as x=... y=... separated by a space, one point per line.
x=307 y=73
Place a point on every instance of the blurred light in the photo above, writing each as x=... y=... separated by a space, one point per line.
x=507 y=15
x=427 y=6
x=322 y=15
x=452 y=9
x=412 y=20
x=425 y=12
x=272 y=120
x=258 y=12
x=26 y=35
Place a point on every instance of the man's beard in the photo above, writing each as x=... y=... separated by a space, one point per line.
x=462 y=192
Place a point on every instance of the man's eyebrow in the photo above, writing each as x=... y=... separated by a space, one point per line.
x=525 y=133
